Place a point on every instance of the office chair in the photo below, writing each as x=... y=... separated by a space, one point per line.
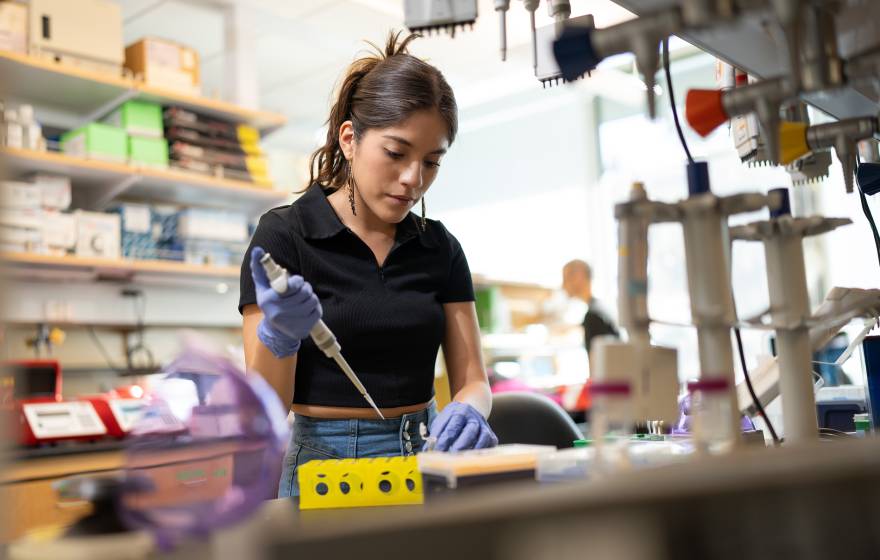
x=521 y=417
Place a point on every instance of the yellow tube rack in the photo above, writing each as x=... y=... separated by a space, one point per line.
x=345 y=483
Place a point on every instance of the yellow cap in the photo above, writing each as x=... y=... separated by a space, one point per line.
x=792 y=141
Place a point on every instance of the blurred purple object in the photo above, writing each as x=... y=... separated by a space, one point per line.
x=208 y=450
x=685 y=419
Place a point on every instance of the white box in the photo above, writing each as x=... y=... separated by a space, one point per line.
x=13 y=27
x=20 y=196
x=23 y=239
x=97 y=235
x=59 y=232
x=55 y=190
x=21 y=218
x=212 y=225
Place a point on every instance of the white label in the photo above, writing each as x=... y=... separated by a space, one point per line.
x=60 y=420
x=136 y=219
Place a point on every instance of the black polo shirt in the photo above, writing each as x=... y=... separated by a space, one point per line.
x=388 y=319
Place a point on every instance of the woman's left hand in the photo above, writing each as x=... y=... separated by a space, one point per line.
x=460 y=426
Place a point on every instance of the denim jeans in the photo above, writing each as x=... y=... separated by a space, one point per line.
x=320 y=438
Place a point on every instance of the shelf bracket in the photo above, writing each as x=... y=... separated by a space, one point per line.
x=108 y=107
x=101 y=201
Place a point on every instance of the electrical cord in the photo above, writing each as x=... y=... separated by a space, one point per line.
x=870 y=217
x=100 y=346
x=672 y=100
x=139 y=347
x=755 y=400
x=742 y=357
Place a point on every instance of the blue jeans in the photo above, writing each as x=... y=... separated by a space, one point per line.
x=320 y=438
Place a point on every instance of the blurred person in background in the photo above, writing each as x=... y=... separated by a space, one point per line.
x=577 y=281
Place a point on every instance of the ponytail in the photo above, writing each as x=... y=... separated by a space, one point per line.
x=378 y=91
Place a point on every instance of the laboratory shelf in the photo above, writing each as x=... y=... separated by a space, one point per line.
x=28 y=265
x=99 y=183
x=92 y=95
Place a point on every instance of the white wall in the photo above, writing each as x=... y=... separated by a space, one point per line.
x=514 y=187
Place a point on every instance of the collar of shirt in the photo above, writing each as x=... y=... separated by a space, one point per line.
x=319 y=220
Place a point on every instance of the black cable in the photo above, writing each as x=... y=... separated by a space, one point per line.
x=755 y=400
x=103 y=351
x=672 y=100
x=867 y=210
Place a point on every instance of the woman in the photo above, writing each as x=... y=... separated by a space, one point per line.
x=390 y=285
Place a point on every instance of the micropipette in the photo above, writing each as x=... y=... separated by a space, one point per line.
x=321 y=335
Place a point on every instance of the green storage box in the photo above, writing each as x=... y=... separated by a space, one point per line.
x=149 y=152
x=488 y=304
x=96 y=141
x=140 y=118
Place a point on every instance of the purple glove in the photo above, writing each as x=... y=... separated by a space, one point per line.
x=459 y=426
x=287 y=317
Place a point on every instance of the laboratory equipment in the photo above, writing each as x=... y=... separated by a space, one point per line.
x=341 y=483
x=704 y=223
x=56 y=33
x=446 y=472
x=843 y=136
x=871 y=356
x=546 y=69
x=578 y=49
x=51 y=422
x=321 y=335
x=782 y=236
x=439 y=15
x=501 y=7
x=531 y=6
x=840 y=307
x=44 y=417
x=118 y=413
x=707 y=109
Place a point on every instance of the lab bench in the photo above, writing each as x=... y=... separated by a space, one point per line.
x=186 y=469
x=818 y=500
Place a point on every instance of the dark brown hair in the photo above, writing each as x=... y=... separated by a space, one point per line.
x=379 y=91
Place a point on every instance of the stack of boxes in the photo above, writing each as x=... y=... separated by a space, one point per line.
x=195 y=235
x=142 y=122
x=132 y=134
x=215 y=147
x=32 y=218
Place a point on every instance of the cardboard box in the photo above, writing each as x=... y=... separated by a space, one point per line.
x=140 y=118
x=13 y=27
x=55 y=190
x=165 y=64
x=97 y=141
x=59 y=232
x=84 y=33
x=97 y=234
x=20 y=196
x=150 y=152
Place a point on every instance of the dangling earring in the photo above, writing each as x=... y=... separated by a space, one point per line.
x=424 y=221
x=351 y=190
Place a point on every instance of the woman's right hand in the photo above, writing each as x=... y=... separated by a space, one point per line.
x=287 y=317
